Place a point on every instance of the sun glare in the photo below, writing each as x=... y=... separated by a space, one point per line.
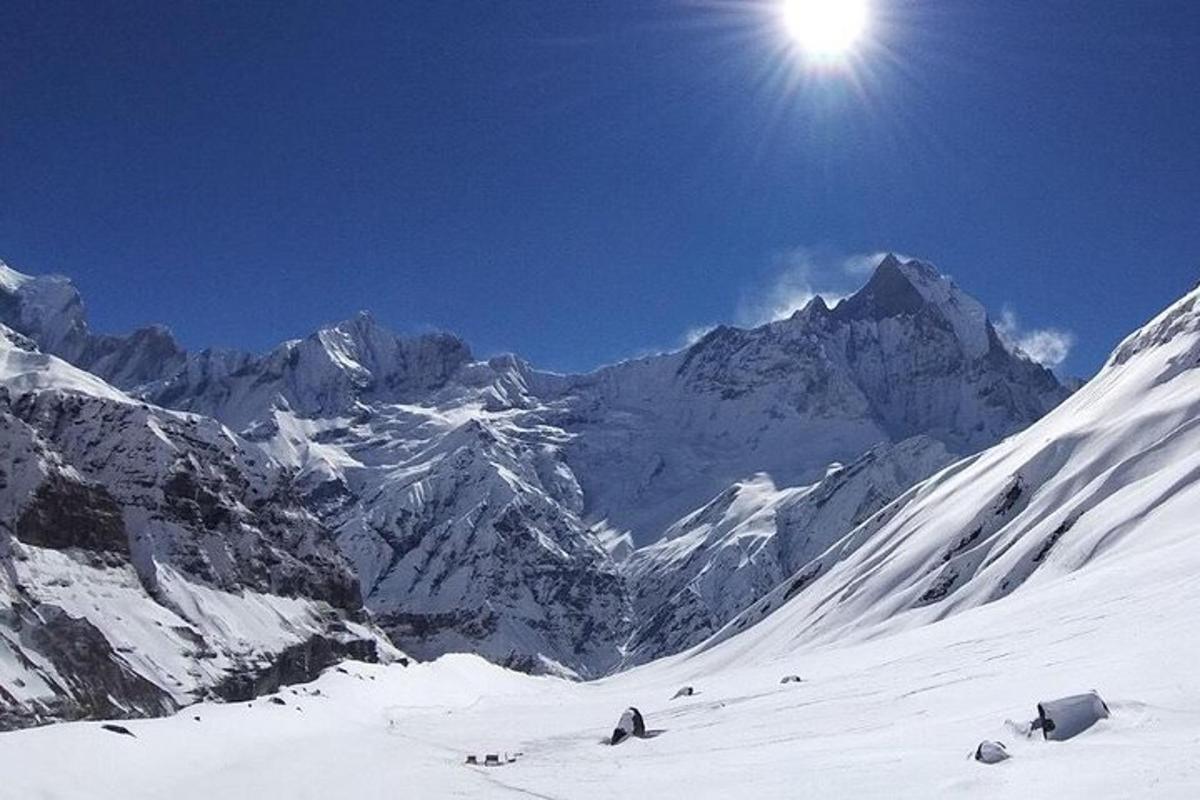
x=825 y=29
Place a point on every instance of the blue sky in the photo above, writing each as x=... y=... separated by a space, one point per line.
x=580 y=182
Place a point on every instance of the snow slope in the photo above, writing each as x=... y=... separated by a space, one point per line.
x=723 y=557
x=1109 y=475
x=897 y=717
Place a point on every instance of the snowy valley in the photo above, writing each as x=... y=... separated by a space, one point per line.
x=484 y=506
x=880 y=497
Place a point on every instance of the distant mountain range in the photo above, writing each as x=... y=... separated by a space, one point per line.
x=206 y=514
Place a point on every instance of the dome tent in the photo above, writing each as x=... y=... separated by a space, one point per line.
x=631 y=724
x=989 y=752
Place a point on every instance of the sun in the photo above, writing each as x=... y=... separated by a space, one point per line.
x=825 y=29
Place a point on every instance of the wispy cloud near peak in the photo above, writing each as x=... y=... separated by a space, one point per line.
x=1047 y=346
x=802 y=274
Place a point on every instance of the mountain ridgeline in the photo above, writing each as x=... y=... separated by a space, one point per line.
x=378 y=482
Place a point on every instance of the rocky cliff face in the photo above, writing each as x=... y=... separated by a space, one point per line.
x=147 y=557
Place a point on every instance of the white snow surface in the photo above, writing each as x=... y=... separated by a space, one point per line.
x=895 y=717
x=23 y=369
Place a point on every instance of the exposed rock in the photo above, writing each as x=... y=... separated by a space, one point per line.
x=299 y=663
x=94 y=681
x=66 y=513
x=138 y=545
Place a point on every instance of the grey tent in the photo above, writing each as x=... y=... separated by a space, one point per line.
x=686 y=691
x=990 y=752
x=1069 y=716
x=631 y=724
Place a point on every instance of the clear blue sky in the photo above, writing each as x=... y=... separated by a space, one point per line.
x=583 y=181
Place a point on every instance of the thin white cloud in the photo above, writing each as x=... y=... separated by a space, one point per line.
x=861 y=265
x=695 y=334
x=1047 y=346
x=803 y=274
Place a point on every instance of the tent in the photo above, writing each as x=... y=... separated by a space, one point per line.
x=631 y=724
x=1066 y=717
x=990 y=752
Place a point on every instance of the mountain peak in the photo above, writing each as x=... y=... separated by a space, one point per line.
x=890 y=292
x=901 y=288
x=814 y=307
x=11 y=280
x=889 y=261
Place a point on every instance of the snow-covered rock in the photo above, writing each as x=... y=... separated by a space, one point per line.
x=727 y=555
x=474 y=543
x=1061 y=559
x=49 y=310
x=149 y=558
x=341 y=370
x=909 y=354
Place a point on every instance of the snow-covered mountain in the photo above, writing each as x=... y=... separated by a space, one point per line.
x=909 y=354
x=1060 y=561
x=150 y=558
x=478 y=500
x=722 y=558
x=1110 y=477
x=49 y=310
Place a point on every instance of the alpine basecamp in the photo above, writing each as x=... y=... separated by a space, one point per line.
x=771 y=399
